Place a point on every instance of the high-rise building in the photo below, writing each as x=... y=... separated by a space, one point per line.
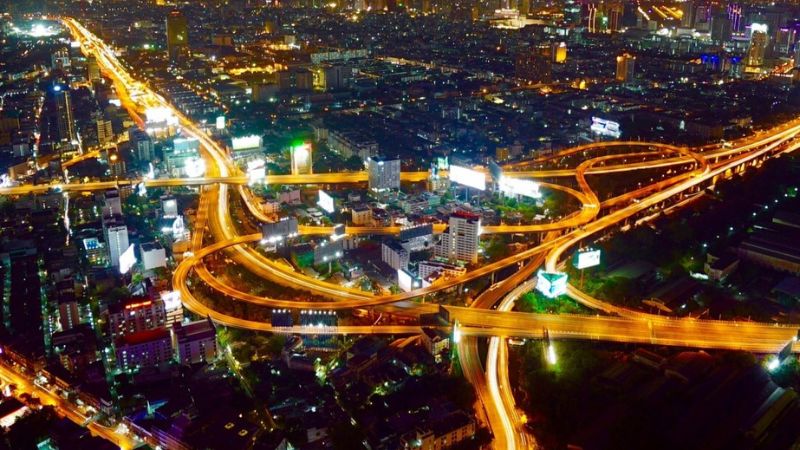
x=758 y=45
x=177 y=36
x=141 y=144
x=105 y=132
x=721 y=28
x=116 y=234
x=65 y=122
x=384 y=173
x=460 y=241
x=625 y=67
x=92 y=69
x=689 y=10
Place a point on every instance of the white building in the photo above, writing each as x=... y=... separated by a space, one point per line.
x=428 y=268
x=460 y=241
x=394 y=255
x=362 y=215
x=195 y=342
x=116 y=235
x=384 y=173
x=153 y=255
x=169 y=206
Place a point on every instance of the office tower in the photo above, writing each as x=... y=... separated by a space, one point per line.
x=384 y=173
x=65 y=122
x=613 y=14
x=141 y=144
x=625 y=67
x=784 y=41
x=177 y=36
x=689 y=12
x=116 y=235
x=92 y=69
x=758 y=45
x=721 y=28
x=460 y=241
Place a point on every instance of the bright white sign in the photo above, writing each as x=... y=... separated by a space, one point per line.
x=256 y=171
x=587 y=258
x=160 y=114
x=326 y=202
x=551 y=284
x=220 y=123
x=246 y=142
x=605 y=127
x=126 y=260
x=468 y=177
x=518 y=186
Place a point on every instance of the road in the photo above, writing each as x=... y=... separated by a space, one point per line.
x=65 y=408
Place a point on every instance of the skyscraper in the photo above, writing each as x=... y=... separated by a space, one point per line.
x=758 y=45
x=721 y=28
x=625 y=67
x=65 y=122
x=177 y=35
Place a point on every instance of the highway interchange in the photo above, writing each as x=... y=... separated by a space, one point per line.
x=698 y=167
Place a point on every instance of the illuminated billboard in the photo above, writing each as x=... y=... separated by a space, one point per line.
x=586 y=258
x=406 y=281
x=468 y=177
x=126 y=260
x=518 y=186
x=160 y=115
x=326 y=202
x=246 y=142
x=220 y=123
x=605 y=127
x=256 y=171
x=551 y=284
x=301 y=159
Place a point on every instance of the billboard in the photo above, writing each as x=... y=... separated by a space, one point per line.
x=256 y=171
x=605 y=127
x=518 y=186
x=326 y=202
x=126 y=260
x=551 y=284
x=468 y=177
x=246 y=142
x=160 y=115
x=220 y=123
x=406 y=281
x=586 y=258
